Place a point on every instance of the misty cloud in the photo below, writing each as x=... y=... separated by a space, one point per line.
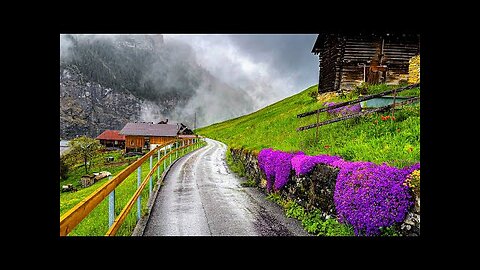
x=219 y=76
x=65 y=47
x=267 y=67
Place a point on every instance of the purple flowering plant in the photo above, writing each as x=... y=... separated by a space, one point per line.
x=344 y=110
x=277 y=167
x=367 y=195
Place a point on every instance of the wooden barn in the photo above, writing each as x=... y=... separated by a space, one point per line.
x=147 y=135
x=347 y=60
x=112 y=138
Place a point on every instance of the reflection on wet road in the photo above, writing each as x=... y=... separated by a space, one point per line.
x=201 y=196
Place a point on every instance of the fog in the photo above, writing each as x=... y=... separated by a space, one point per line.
x=220 y=76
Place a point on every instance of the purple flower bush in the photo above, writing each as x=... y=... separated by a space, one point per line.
x=277 y=166
x=345 y=110
x=303 y=164
x=367 y=195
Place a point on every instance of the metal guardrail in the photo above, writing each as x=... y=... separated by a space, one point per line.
x=76 y=214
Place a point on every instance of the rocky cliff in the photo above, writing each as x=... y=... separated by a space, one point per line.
x=88 y=108
x=108 y=80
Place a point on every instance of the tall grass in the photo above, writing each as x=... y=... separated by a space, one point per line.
x=366 y=138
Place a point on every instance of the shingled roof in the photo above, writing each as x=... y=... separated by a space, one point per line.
x=150 y=129
x=111 y=135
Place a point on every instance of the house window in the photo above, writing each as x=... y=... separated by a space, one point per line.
x=116 y=142
x=131 y=142
x=147 y=142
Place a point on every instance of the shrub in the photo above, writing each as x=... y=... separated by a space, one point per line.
x=413 y=182
x=370 y=196
x=303 y=164
x=367 y=196
x=277 y=167
x=64 y=168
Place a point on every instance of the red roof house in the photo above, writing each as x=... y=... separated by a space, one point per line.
x=112 y=138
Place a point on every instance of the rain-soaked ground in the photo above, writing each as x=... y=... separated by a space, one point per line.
x=201 y=196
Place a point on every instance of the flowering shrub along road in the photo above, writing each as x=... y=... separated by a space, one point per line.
x=367 y=195
x=277 y=166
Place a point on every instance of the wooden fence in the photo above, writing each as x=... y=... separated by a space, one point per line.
x=76 y=214
x=358 y=100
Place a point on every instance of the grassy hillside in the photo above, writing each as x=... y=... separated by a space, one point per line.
x=366 y=138
x=96 y=223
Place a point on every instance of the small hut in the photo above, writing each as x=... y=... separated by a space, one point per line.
x=347 y=60
x=112 y=138
x=87 y=180
x=147 y=135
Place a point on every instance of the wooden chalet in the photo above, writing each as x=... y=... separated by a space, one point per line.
x=112 y=138
x=347 y=60
x=147 y=135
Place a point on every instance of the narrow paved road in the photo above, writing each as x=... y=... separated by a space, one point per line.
x=201 y=196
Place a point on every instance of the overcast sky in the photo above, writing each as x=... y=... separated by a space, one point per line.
x=270 y=67
x=256 y=70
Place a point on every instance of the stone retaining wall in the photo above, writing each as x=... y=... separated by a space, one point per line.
x=315 y=190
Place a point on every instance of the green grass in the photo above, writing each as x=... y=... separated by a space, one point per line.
x=312 y=221
x=236 y=167
x=97 y=164
x=96 y=223
x=366 y=138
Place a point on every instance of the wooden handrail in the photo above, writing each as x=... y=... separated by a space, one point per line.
x=123 y=214
x=76 y=214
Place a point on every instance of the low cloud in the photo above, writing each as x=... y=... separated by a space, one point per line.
x=222 y=76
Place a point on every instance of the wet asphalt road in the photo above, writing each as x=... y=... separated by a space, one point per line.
x=201 y=197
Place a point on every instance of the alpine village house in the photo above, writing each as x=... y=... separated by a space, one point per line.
x=347 y=60
x=112 y=138
x=147 y=135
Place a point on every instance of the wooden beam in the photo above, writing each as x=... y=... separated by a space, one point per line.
x=385 y=108
x=358 y=100
x=76 y=214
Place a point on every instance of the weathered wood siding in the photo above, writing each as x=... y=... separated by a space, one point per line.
x=160 y=140
x=139 y=141
x=330 y=57
x=342 y=58
x=134 y=141
x=398 y=51
x=357 y=51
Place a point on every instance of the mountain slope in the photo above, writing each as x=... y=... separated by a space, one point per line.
x=108 y=80
x=366 y=138
x=88 y=108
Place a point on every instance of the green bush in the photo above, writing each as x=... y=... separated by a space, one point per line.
x=63 y=168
